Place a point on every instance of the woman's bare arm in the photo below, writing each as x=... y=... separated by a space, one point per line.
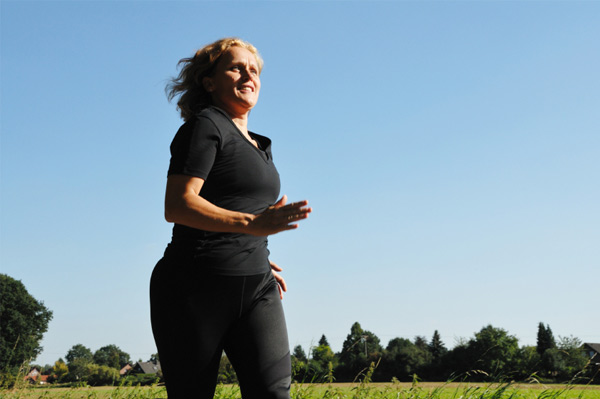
x=184 y=205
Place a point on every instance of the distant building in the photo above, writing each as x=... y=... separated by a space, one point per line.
x=35 y=377
x=125 y=370
x=146 y=368
x=593 y=352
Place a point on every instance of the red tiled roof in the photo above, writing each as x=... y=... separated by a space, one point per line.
x=43 y=378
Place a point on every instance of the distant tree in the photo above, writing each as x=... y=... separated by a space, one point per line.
x=436 y=346
x=438 y=350
x=111 y=356
x=360 y=349
x=78 y=371
x=99 y=375
x=322 y=358
x=403 y=359
x=551 y=364
x=60 y=370
x=323 y=341
x=299 y=364
x=491 y=355
x=569 y=343
x=299 y=353
x=458 y=361
x=573 y=358
x=396 y=360
x=23 y=322
x=545 y=339
x=421 y=342
x=79 y=353
x=495 y=350
x=528 y=364
x=78 y=358
x=422 y=358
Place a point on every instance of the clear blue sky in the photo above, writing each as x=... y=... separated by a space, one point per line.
x=450 y=151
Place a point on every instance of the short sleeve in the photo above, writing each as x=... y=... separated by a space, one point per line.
x=194 y=148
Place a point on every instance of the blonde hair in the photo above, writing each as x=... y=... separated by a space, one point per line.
x=193 y=97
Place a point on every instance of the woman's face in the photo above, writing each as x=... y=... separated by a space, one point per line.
x=235 y=83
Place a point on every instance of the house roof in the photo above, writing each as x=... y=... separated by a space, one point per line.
x=149 y=367
x=594 y=347
x=125 y=369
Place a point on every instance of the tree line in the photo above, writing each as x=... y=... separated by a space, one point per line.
x=102 y=367
x=491 y=355
x=23 y=322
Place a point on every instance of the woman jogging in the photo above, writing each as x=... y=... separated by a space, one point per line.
x=215 y=288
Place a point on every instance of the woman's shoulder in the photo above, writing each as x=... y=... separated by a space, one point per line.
x=214 y=114
x=204 y=124
x=206 y=121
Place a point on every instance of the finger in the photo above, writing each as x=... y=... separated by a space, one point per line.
x=278 y=278
x=281 y=285
x=301 y=213
x=289 y=227
x=280 y=281
x=296 y=205
x=293 y=217
x=274 y=266
x=281 y=202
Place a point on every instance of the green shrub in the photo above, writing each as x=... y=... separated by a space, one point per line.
x=140 y=379
x=101 y=375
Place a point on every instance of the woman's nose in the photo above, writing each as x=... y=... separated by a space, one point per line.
x=246 y=73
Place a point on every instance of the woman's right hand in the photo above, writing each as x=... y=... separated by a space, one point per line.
x=279 y=217
x=184 y=205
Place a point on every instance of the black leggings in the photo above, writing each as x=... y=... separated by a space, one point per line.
x=195 y=316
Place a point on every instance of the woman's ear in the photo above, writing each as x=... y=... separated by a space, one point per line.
x=208 y=84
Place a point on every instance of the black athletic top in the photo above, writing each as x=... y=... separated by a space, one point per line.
x=238 y=177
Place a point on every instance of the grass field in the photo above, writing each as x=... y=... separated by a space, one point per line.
x=334 y=391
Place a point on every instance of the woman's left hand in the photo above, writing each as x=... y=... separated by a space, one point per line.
x=280 y=281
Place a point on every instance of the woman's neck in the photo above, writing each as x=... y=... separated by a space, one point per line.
x=241 y=123
x=238 y=115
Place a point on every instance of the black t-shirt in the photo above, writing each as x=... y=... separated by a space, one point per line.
x=238 y=177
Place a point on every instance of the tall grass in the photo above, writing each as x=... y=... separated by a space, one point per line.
x=327 y=391
x=361 y=390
